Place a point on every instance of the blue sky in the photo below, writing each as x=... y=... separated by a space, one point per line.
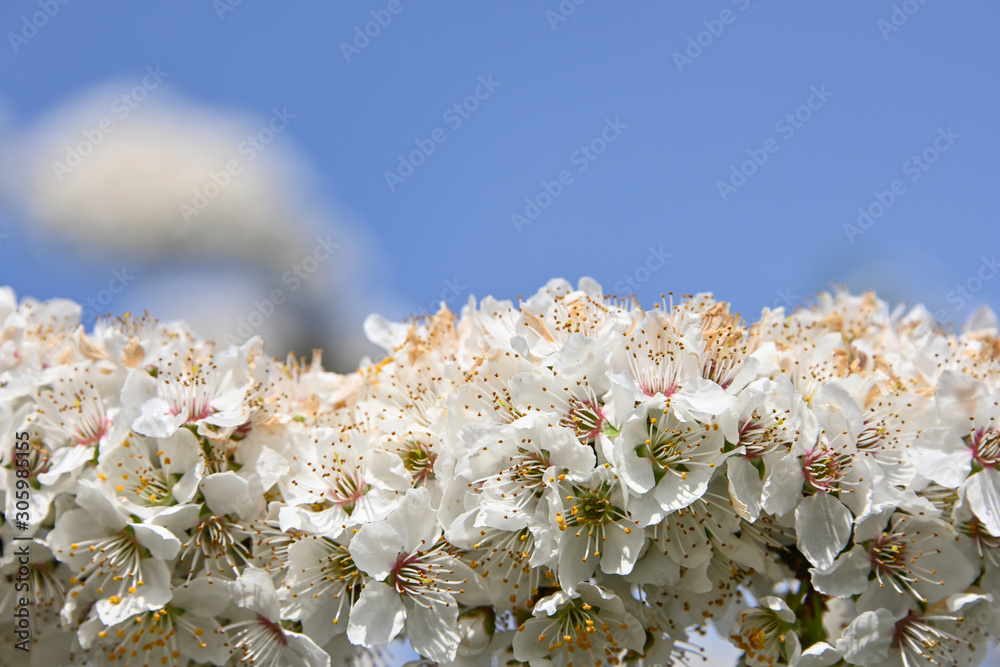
x=683 y=124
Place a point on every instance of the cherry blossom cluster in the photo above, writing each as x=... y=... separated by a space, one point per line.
x=565 y=480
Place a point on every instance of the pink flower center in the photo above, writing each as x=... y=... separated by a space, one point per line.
x=985 y=446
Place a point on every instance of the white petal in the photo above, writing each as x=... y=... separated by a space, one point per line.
x=162 y=544
x=185 y=488
x=66 y=459
x=153 y=594
x=655 y=568
x=215 y=650
x=532 y=390
x=871 y=526
x=329 y=522
x=783 y=486
x=848 y=576
x=700 y=398
x=940 y=455
x=254 y=590
x=636 y=471
x=866 y=640
x=182 y=450
x=415 y=520
x=176 y=519
x=375 y=549
x=139 y=387
x=838 y=413
x=100 y=507
x=583 y=359
x=959 y=602
x=745 y=487
x=819 y=654
x=620 y=550
x=387 y=335
x=960 y=398
x=549 y=604
x=156 y=420
x=566 y=451
x=779 y=607
x=377 y=616
x=230 y=493
x=983 y=492
x=306 y=649
x=573 y=569
x=433 y=632
x=822 y=526
x=201 y=597
x=527 y=648
x=675 y=492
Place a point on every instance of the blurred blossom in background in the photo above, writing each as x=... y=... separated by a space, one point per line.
x=204 y=214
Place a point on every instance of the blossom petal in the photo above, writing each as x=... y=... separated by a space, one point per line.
x=433 y=632
x=162 y=543
x=847 y=577
x=152 y=594
x=621 y=548
x=745 y=487
x=377 y=616
x=941 y=456
x=983 y=492
x=675 y=492
x=822 y=526
x=375 y=549
x=229 y=493
x=783 y=486
x=866 y=640
x=305 y=648
x=254 y=590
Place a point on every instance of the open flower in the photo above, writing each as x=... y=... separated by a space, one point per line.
x=664 y=461
x=340 y=480
x=594 y=529
x=191 y=386
x=260 y=638
x=414 y=580
x=767 y=634
x=590 y=627
x=123 y=562
x=570 y=480
x=324 y=583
